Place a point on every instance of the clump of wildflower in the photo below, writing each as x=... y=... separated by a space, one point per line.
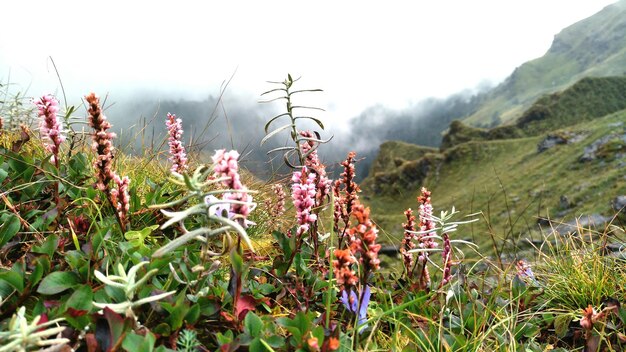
x=345 y=202
x=279 y=207
x=426 y=241
x=102 y=143
x=226 y=166
x=178 y=156
x=303 y=195
x=312 y=162
x=407 y=242
x=338 y=206
x=342 y=265
x=361 y=243
x=589 y=318
x=50 y=126
x=120 y=197
x=363 y=240
x=103 y=146
x=524 y=270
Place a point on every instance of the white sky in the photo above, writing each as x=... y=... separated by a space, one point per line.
x=360 y=52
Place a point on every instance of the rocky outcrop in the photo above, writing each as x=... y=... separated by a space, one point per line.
x=554 y=139
x=607 y=147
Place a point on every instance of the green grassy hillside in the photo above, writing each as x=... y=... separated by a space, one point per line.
x=595 y=46
x=587 y=99
x=512 y=183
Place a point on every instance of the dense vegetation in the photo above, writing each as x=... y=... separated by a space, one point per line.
x=105 y=252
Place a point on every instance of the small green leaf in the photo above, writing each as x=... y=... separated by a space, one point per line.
x=48 y=247
x=9 y=229
x=57 y=282
x=163 y=329
x=561 y=325
x=252 y=324
x=193 y=314
x=3 y=174
x=137 y=238
x=14 y=279
x=81 y=299
x=236 y=261
x=42 y=266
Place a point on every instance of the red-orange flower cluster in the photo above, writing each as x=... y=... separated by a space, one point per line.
x=362 y=239
x=343 y=268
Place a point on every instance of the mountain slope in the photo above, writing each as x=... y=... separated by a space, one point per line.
x=514 y=183
x=595 y=46
x=589 y=98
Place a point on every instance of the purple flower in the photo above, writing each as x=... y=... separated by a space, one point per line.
x=356 y=306
x=178 y=156
x=524 y=270
x=222 y=209
x=50 y=126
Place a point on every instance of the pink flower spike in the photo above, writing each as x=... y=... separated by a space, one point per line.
x=50 y=126
x=178 y=156
x=303 y=195
x=225 y=165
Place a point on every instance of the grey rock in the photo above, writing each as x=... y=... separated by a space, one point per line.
x=596 y=221
x=619 y=203
x=564 y=202
x=589 y=154
x=552 y=140
x=549 y=142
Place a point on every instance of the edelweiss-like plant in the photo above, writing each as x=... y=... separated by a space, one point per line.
x=22 y=336
x=129 y=283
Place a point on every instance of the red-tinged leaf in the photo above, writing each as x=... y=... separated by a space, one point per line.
x=75 y=313
x=244 y=304
x=227 y=316
x=92 y=343
x=43 y=319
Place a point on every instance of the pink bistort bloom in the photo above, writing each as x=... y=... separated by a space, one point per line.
x=426 y=225
x=178 y=156
x=226 y=165
x=407 y=242
x=120 y=197
x=303 y=195
x=312 y=162
x=50 y=126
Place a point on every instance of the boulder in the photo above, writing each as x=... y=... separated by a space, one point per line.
x=619 y=203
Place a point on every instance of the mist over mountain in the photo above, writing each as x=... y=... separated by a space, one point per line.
x=421 y=123
x=236 y=121
x=230 y=122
